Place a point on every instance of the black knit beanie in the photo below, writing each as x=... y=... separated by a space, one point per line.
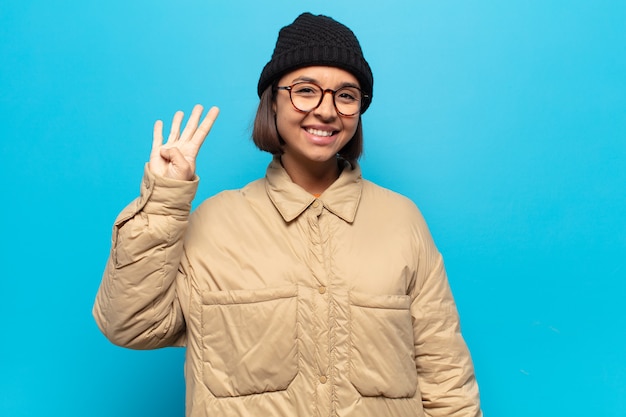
x=318 y=40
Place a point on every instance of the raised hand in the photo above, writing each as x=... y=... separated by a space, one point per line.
x=177 y=157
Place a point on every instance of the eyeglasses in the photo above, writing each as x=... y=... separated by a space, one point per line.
x=307 y=96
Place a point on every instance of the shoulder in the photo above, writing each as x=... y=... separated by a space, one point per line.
x=393 y=209
x=386 y=200
x=230 y=203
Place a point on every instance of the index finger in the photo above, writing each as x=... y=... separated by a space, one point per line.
x=206 y=125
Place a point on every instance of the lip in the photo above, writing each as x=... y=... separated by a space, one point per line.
x=320 y=140
x=308 y=129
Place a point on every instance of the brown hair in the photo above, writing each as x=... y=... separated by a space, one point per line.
x=266 y=138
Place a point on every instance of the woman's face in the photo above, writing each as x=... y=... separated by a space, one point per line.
x=314 y=138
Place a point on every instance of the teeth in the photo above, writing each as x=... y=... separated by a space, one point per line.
x=317 y=132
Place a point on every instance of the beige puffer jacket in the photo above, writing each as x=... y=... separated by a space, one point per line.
x=290 y=305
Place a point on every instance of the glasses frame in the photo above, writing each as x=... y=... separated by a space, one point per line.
x=324 y=91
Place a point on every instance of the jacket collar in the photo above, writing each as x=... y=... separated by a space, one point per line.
x=341 y=198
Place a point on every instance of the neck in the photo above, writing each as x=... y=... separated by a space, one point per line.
x=314 y=177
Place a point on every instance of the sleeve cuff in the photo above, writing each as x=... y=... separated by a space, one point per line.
x=165 y=196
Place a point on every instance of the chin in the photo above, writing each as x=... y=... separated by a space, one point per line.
x=323 y=158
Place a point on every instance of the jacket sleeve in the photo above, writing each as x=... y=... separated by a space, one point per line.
x=444 y=366
x=138 y=304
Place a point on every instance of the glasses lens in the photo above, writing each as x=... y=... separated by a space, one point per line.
x=305 y=96
x=348 y=100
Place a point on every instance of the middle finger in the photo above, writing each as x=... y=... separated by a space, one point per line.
x=192 y=123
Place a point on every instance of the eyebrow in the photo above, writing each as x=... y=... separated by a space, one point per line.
x=313 y=80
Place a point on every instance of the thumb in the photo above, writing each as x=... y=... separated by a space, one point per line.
x=178 y=167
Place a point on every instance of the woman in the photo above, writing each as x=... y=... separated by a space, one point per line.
x=309 y=292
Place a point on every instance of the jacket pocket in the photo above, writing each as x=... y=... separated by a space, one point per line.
x=249 y=341
x=382 y=352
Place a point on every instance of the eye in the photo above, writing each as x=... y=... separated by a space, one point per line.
x=305 y=90
x=348 y=95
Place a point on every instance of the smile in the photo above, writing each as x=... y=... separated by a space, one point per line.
x=323 y=133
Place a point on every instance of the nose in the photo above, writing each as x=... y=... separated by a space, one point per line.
x=326 y=110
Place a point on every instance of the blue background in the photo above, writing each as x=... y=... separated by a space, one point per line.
x=504 y=121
